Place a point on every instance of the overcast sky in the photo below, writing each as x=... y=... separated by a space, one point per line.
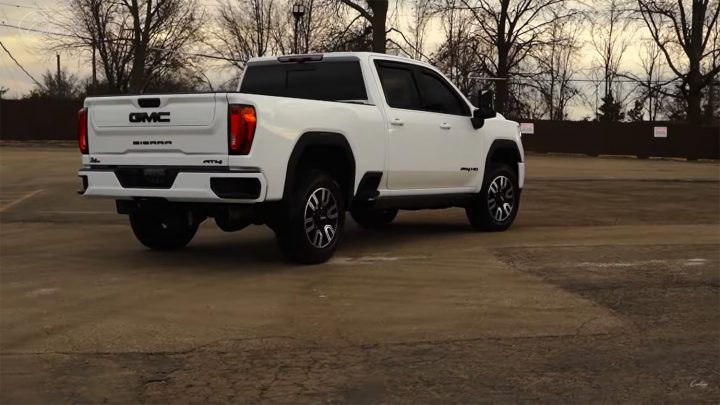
x=26 y=47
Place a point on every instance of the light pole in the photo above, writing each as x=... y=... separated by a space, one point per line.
x=298 y=11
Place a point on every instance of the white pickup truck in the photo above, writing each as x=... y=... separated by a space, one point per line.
x=303 y=140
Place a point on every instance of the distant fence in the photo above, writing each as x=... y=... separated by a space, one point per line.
x=56 y=120
x=38 y=119
x=641 y=139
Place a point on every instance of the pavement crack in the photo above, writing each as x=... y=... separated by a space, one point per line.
x=586 y=322
x=266 y=387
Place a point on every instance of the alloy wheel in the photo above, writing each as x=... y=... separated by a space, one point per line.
x=321 y=218
x=501 y=198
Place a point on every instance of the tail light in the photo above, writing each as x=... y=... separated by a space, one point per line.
x=82 y=133
x=241 y=128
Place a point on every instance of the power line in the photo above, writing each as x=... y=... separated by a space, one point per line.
x=19 y=65
x=44 y=32
x=40 y=31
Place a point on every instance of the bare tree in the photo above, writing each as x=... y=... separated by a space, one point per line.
x=650 y=86
x=57 y=85
x=159 y=24
x=137 y=41
x=375 y=12
x=459 y=55
x=712 y=96
x=317 y=28
x=683 y=30
x=243 y=30
x=556 y=64
x=457 y=30
x=318 y=24
x=513 y=28
x=415 y=33
x=98 y=25
x=610 y=39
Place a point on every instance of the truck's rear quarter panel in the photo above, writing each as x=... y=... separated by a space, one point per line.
x=282 y=121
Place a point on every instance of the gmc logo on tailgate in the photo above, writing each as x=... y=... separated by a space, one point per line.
x=152 y=117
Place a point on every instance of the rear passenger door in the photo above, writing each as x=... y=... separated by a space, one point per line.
x=431 y=139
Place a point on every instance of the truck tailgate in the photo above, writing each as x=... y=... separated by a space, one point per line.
x=185 y=129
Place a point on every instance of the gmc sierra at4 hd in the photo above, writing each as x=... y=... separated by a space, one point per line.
x=303 y=140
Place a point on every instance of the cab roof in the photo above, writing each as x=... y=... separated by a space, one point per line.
x=312 y=57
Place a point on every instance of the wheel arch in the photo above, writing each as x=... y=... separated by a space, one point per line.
x=312 y=144
x=503 y=151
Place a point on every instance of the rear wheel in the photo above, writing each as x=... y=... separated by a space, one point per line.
x=163 y=230
x=373 y=218
x=316 y=219
x=496 y=207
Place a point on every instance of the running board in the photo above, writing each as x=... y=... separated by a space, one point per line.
x=421 y=202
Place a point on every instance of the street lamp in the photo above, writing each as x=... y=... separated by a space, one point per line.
x=298 y=11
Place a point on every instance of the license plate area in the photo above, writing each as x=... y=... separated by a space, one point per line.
x=146 y=177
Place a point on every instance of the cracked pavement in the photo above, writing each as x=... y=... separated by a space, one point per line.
x=606 y=289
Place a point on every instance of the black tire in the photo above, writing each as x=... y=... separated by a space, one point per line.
x=163 y=230
x=370 y=218
x=488 y=212
x=327 y=209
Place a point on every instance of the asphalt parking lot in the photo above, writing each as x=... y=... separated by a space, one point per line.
x=606 y=289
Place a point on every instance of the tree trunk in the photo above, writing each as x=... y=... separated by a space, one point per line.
x=379 y=9
x=138 y=71
x=502 y=85
x=710 y=105
x=501 y=94
x=694 y=100
x=695 y=85
x=138 y=68
x=503 y=50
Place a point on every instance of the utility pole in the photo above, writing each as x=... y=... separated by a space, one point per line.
x=57 y=58
x=298 y=11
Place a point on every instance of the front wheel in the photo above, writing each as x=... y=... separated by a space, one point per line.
x=496 y=207
x=169 y=230
x=316 y=219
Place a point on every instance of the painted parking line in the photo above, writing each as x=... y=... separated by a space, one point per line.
x=19 y=200
x=10 y=196
x=640 y=263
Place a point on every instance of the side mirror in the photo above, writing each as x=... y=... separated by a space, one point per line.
x=485 y=110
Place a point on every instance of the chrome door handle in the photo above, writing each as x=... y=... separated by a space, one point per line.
x=397 y=121
x=445 y=125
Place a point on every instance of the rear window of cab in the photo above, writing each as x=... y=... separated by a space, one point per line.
x=324 y=81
